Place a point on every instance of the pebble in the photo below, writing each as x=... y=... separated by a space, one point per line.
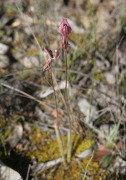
x=85 y=107
x=7 y=173
x=4 y=61
x=30 y=62
x=119 y=166
x=3 y=48
x=110 y=78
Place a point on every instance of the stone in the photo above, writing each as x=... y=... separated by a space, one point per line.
x=4 y=61
x=16 y=135
x=110 y=78
x=85 y=108
x=119 y=166
x=7 y=173
x=3 y=48
x=31 y=61
x=85 y=154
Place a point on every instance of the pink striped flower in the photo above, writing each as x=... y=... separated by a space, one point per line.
x=49 y=52
x=47 y=64
x=50 y=55
x=65 y=30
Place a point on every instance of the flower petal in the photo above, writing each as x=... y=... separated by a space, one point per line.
x=63 y=26
x=49 y=52
x=47 y=63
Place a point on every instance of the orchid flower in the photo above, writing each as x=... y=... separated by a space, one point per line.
x=51 y=57
x=65 y=30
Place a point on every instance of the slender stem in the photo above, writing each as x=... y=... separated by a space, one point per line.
x=59 y=139
x=69 y=145
x=50 y=71
x=60 y=143
x=67 y=107
x=65 y=73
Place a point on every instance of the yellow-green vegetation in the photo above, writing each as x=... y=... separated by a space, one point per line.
x=80 y=145
x=1 y=122
x=6 y=131
x=3 y=72
x=76 y=171
x=99 y=77
x=43 y=149
x=49 y=150
x=74 y=37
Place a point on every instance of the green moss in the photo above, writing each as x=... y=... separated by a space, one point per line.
x=1 y=122
x=76 y=171
x=79 y=144
x=6 y=130
x=50 y=149
x=37 y=136
x=99 y=77
x=43 y=149
x=11 y=9
x=33 y=52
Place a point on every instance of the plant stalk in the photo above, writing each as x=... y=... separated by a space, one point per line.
x=60 y=143
x=50 y=71
x=59 y=139
x=69 y=137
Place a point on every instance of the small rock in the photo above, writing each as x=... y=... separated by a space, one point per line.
x=27 y=127
x=85 y=107
x=3 y=48
x=102 y=16
x=16 y=135
x=110 y=78
x=30 y=62
x=4 y=61
x=40 y=114
x=85 y=154
x=44 y=166
x=119 y=166
x=6 y=173
x=103 y=64
x=104 y=89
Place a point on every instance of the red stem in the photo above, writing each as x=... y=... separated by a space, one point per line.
x=67 y=107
